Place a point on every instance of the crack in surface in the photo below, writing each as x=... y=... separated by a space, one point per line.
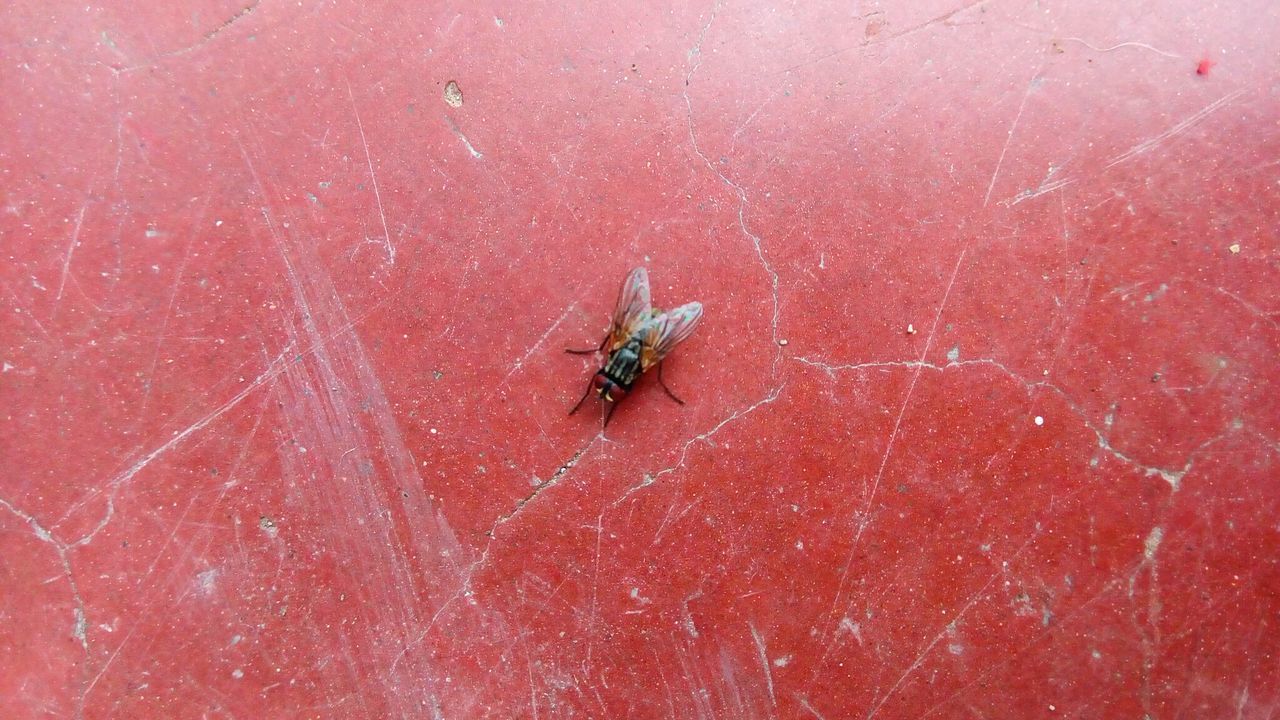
x=79 y=617
x=1173 y=476
x=465 y=588
x=695 y=54
x=650 y=479
x=544 y=485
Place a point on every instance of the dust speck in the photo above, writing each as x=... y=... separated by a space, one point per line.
x=1039 y=420
x=1235 y=249
x=953 y=354
x=453 y=94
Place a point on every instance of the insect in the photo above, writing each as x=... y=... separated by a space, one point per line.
x=638 y=339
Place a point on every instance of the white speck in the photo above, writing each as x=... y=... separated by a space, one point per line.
x=235 y=639
x=152 y=232
x=497 y=21
x=953 y=354
x=534 y=480
x=800 y=545
x=1235 y=249
x=1096 y=655
x=1039 y=420
x=434 y=431
x=237 y=673
x=6 y=367
x=217 y=223
x=955 y=649
x=1052 y=708
x=1045 y=373
x=782 y=341
x=782 y=661
x=911 y=329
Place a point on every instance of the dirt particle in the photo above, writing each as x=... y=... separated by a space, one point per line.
x=1235 y=249
x=453 y=94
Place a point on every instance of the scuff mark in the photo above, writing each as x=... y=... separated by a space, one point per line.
x=467 y=143
x=377 y=194
x=1008 y=139
x=1150 y=144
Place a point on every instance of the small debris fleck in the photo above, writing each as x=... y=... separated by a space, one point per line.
x=453 y=94
x=782 y=342
x=1155 y=377
x=911 y=329
x=237 y=673
x=1204 y=66
x=1235 y=249
x=1039 y=420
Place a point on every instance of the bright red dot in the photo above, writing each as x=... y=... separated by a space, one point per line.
x=1203 y=67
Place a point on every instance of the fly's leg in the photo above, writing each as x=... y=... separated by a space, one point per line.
x=590 y=385
x=612 y=407
x=665 y=388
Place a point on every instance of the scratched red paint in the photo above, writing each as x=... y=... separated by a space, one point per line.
x=284 y=400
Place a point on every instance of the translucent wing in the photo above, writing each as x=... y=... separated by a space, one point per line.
x=632 y=310
x=663 y=332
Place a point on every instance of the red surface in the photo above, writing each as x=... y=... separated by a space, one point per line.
x=284 y=402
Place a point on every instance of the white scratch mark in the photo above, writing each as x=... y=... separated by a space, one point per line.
x=948 y=628
x=902 y=409
x=377 y=194
x=1031 y=84
x=764 y=662
x=804 y=703
x=458 y=131
x=888 y=449
x=1150 y=144
x=71 y=248
x=533 y=348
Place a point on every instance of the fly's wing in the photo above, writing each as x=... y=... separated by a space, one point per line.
x=632 y=310
x=663 y=332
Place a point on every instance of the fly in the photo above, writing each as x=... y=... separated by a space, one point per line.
x=638 y=339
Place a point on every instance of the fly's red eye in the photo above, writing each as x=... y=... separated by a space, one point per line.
x=599 y=380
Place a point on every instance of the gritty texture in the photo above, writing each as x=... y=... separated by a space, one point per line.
x=981 y=420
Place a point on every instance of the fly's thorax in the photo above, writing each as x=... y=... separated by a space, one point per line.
x=623 y=366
